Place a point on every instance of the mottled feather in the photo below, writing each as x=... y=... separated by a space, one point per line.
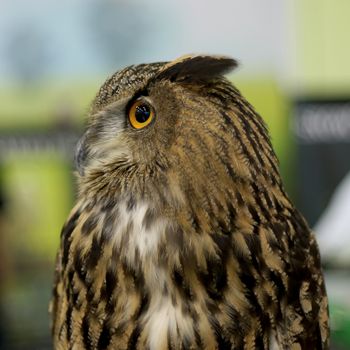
x=182 y=236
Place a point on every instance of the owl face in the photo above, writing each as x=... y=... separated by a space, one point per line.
x=136 y=129
x=172 y=128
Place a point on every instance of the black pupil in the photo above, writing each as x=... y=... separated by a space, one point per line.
x=142 y=113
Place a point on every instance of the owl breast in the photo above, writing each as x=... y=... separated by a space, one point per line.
x=118 y=276
x=141 y=237
x=138 y=232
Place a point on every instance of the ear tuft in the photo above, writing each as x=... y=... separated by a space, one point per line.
x=199 y=67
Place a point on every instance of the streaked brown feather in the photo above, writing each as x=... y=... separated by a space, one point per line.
x=183 y=236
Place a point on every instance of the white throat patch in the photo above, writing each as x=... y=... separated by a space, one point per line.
x=139 y=243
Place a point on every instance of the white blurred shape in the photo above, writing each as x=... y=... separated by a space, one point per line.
x=333 y=228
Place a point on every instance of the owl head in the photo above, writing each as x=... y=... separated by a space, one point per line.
x=175 y=131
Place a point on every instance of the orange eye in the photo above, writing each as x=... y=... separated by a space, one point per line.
x=141 y=114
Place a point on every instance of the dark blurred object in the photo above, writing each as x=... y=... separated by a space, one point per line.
x=2 y=262
x=60 y=139
x=322 y=129
x=38 y=188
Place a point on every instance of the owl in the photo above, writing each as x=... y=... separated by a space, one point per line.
x=182 y=235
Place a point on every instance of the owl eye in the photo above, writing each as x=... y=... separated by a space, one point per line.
x=141 y=114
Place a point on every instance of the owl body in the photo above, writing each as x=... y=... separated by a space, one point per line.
x=182 y=236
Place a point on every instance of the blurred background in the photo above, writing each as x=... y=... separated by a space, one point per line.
x=294 y=68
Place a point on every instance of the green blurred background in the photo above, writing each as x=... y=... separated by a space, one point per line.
x=55 y=55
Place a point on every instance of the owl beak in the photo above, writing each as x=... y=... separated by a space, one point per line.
x=81 y=154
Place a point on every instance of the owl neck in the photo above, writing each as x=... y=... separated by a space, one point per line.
x=162 y=224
